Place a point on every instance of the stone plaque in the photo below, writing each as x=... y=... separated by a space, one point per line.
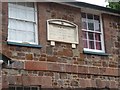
x=62 y=31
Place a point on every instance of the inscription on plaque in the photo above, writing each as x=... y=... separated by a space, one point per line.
x=62 y=31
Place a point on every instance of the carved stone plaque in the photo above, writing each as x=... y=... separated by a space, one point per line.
x=62 y=31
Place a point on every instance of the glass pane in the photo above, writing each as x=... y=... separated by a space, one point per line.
x=90 y=26
x=19 y=88
x=11 y=34
x=85 y=44
x=91 y=45
x=34 y=88
x=30 y=16
x=89 y=16
x=12 y=12
x=84 y=35
x=21 y=14
x=29 y=37
x=30 y=7
x=21 y=3
x=29 y=26
x=97 y=37
x=20 y=36
x=11 y=88
x=96 y=17
x=21 y=31
x=97 y=25
x=98 y=45
x=83 y=15
x=30 y=4
x=20 y=11
x=12 y=24
x=84 y=25
x=26 y=88
x=20 y=25
x=91 y=35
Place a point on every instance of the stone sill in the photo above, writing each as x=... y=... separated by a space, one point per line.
x=24 y=45
x=95 y=53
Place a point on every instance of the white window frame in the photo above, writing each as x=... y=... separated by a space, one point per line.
x=102 y=34
x=36 y=28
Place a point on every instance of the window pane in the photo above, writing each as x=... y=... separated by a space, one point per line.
x=26 y=88
x=89 y=16
x=91 y=44
x=30 y=16
x=20 y=11
x=97 y=25
x=20 y=25
x=24 y=36
x=90 y=26
x=96 y=17
x=12 y=24
x=84 y=35
x=91 y=35
x=24 y=26
x=98 y=45
x=97 y=37
x=29 y=37
x=34 y=88
x=11 y=88
x=30 y=26
x=84 y=25
x=11 y=34
x=19 y=88
x=20 y=3
x=20 y=36
x=85 y=44
x=21 y=14
x=83 y=15
x=12 y=12
x=30 y=4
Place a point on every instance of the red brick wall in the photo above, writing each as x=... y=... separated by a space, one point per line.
x=62 y=66
x=0 y=42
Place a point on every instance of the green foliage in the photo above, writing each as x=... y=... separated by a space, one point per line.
x=114 y=5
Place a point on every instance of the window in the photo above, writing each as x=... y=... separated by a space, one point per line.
x=22 y=22
x=92 y=33
x=14 y=87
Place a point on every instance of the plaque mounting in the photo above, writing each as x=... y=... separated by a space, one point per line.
x=59 y=30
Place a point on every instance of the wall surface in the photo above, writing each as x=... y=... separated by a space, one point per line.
x=61 y=66
x=0 y=42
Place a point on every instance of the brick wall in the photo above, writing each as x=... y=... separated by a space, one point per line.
x=61 y=66
x=0 y=41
